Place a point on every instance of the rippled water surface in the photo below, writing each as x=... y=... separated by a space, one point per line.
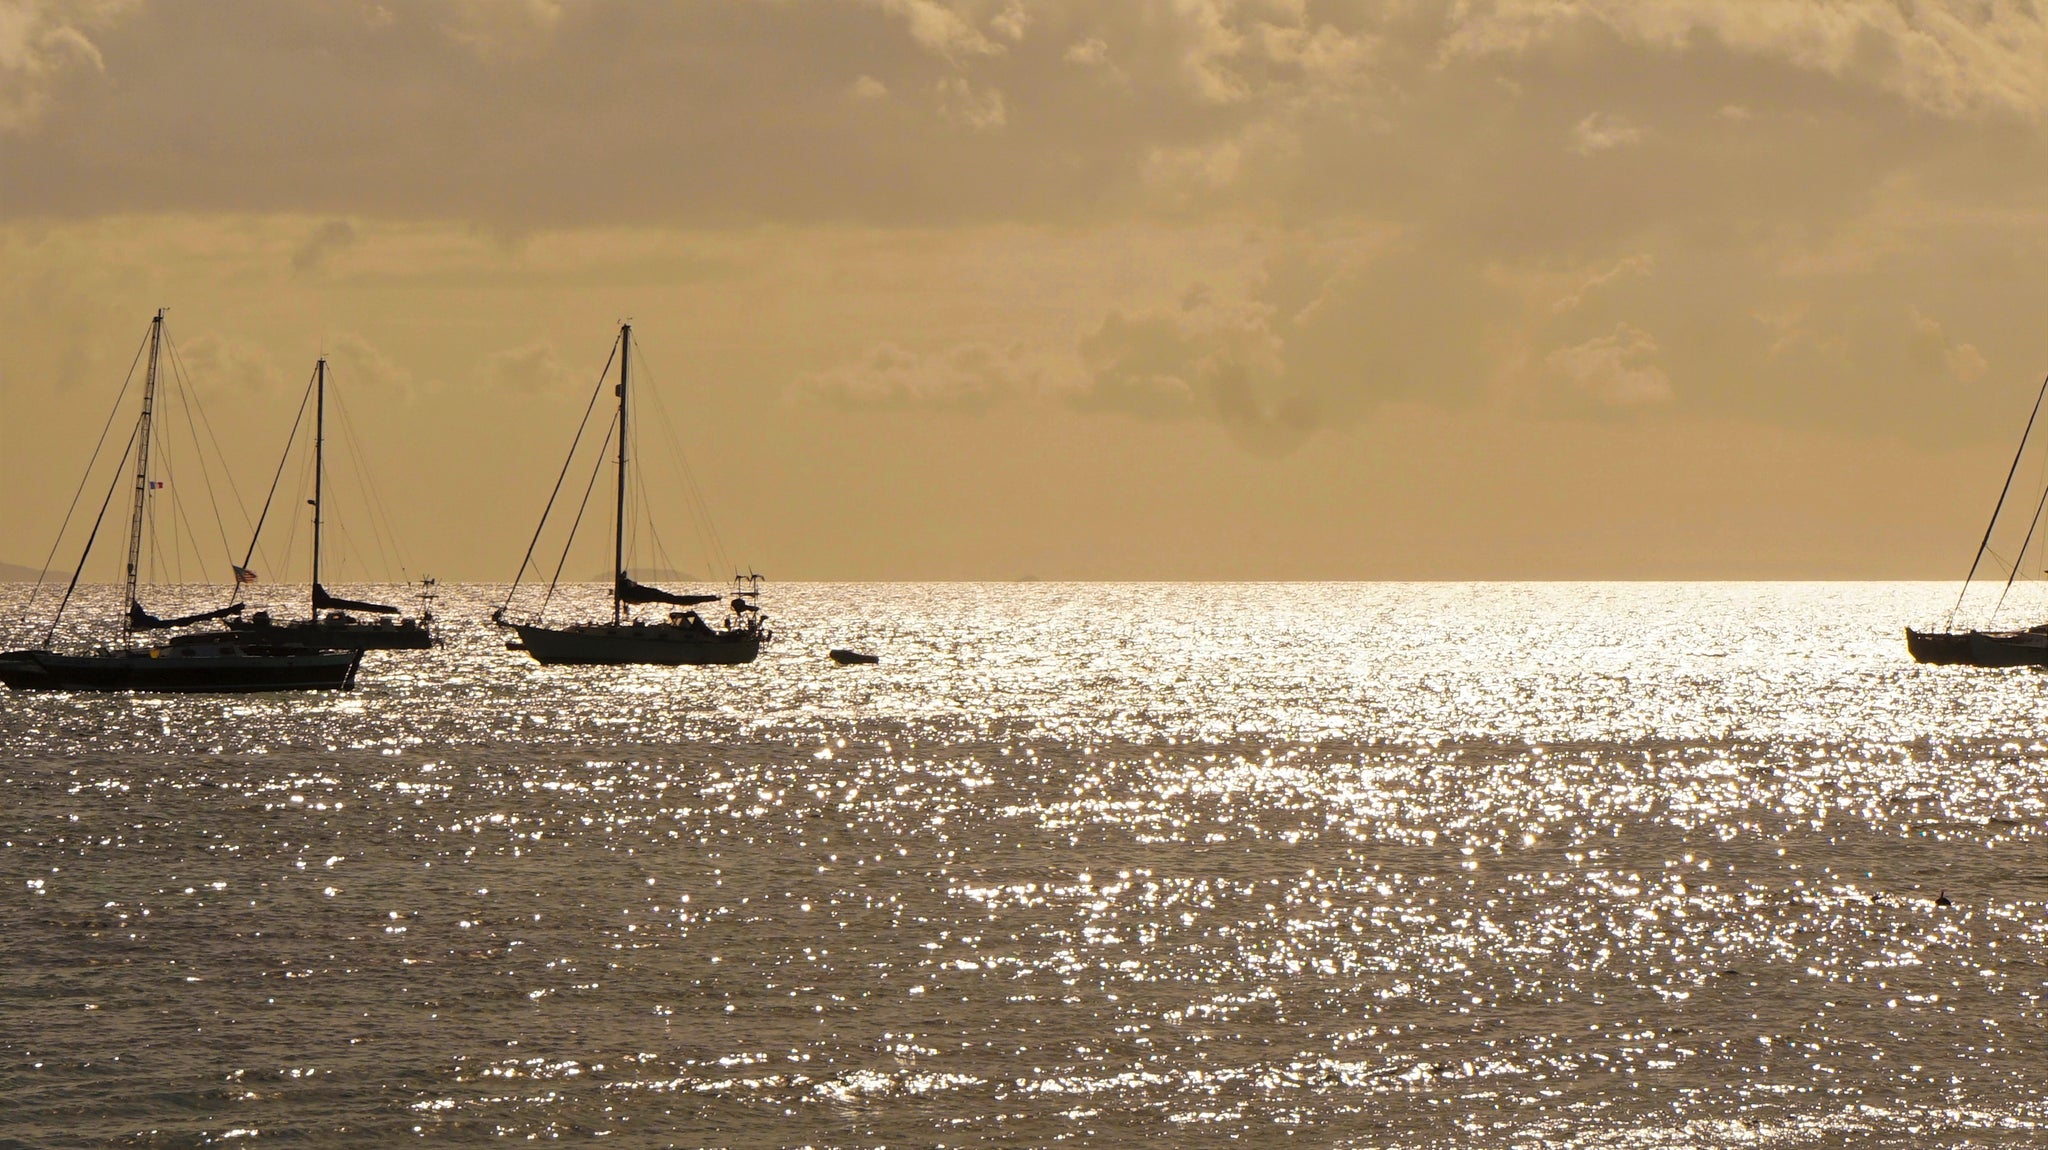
x=1494 y=865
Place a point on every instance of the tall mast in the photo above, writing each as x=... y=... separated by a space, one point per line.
x=319 y=464
x=156 y=336
x=2002 y=493
x=619 y=520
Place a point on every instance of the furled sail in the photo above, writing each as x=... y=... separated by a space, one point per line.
x=322 y=601
x=141 y=620
x=631 y=592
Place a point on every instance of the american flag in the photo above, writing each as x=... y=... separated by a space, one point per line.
x=243 y=574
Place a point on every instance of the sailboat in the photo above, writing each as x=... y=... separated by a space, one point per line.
x=210 y=661
x=1987 y=648
x=684 y=637
x=340 y=628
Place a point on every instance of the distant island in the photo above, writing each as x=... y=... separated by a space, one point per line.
x=16 y=573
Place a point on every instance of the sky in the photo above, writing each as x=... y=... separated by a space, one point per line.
x=994 y=289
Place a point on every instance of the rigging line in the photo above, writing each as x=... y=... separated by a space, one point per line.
x=338 y=555
x=637 y=502
x=654 y=529
x=381 y=531
x=165 y=466
x=542 y=525
x=700 y=509
x=697 y=508
x=2021 y=559
x=188 y=398
x=206 y=421
x=51 y=636
x=2014 y=470
x=646 y=502
x=161 y=454
x=291 y=535
x=570 y=542
x=257 y=532
x=182 y=387
x=155 y=559
x=639 y=510
x=84 y=478
x=178 y=516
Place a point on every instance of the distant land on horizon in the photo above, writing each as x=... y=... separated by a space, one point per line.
x=16 y=573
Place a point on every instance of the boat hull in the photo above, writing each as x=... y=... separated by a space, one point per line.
x=1979 y=648
x=2016 y=649
x=1938 y=647
x=326 y=636
x=20 y=672
x=181 y=671
x=604 y=644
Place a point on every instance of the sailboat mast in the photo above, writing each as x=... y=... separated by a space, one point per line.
x=619 y=519
x=156 y=336
x=2000 y=506
x=319 y=465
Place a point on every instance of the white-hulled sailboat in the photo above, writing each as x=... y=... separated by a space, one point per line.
x=683 y=637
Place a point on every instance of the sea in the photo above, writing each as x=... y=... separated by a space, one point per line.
x=1348 y=865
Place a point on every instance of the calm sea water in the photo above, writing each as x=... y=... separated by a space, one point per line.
x=1506 y=865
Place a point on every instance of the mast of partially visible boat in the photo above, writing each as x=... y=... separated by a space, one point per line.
x=1999 y=506
x=319 y=465
x=156 y=336
x=619 y=519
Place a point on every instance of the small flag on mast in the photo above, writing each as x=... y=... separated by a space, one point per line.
x=156 y=485
x=243 y=574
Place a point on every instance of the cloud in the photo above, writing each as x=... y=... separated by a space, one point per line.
x=1225 y=360
x=1639 y=264
x=968 y=378
x=1090 y=52
x=495 y=29
x=978 y=108
x=529 y=370
x=41 y=40
x=328 y=239
x=1935 y=353
x=1612 y=372
x=1599 y=132
x=1332 y=329
x=222 y=365
x=1952 y=58
x=364 y=367
x=948 y=32
x=509 y=107
x=1770 y=187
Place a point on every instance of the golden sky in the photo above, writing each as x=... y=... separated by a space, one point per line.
x=1068 y=289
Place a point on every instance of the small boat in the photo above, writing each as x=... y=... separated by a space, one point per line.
x=339 y=628
x=681 y=638
x=1988 y=648
x=210 y=661
x=847 y=656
